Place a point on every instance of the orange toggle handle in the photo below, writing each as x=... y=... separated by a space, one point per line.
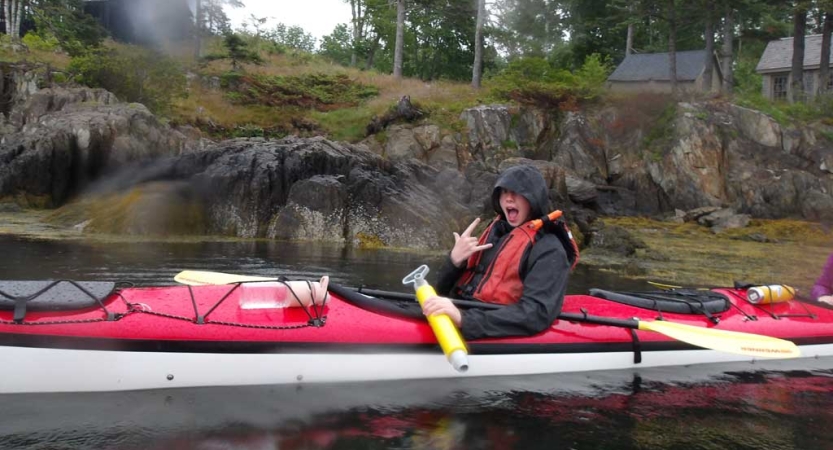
x=538 y=223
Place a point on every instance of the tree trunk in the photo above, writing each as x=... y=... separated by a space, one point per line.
x=211 y=17
x=17 y=18
x=419 y=64
x=796 y=92
x=708 y=67
x=198 y=30
x=728 y=49
x=477 y=67
x=435 y=66
x=629 y=39
x=4 y=10
x=824 y=61
x=13 y=31
x=9 y=16
x=672 y=46
x=358 y=29
x=400 y=39
x=371 y=54
x=355 y=33
x=818 y=20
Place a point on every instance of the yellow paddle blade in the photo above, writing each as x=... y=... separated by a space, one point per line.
x=725 y=341
x=671 y=287
x=200 y=277
x=663 y=285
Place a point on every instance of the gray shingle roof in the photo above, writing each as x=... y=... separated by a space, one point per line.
x=654 y=66
x=778 y=54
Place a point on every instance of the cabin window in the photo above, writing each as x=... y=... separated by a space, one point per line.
x=830 y=82
x=779 y=87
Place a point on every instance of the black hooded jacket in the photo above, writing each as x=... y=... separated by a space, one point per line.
x=544 y=268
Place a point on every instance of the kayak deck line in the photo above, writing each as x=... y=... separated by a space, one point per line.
x=187 y=332
x=70 y=296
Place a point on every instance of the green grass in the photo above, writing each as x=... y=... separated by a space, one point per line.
x=314 y=90
x=786 y=113
x=56 y=61
x=446 y=113
x=344 y=124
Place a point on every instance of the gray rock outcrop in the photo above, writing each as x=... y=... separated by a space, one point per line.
x=70 y=138
x=316 y=189
x=626 y=160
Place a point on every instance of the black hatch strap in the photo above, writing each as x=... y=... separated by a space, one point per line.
x=637 y=344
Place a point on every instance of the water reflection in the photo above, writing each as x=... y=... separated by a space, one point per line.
x=691 y=408
x=156 y=263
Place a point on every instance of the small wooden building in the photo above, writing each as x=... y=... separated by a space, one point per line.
x=776 y=64
x=650 y=72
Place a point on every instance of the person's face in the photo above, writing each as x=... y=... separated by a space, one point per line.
x=515 y=207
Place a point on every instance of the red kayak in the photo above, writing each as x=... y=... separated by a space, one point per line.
x=66 y=336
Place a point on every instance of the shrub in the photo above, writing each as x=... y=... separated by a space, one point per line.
x=292 y=37
x=661 y=133
x=536 y=81
x=59 y=78
x=239 y=51
x=815 y=109
x=133 y=74
x=48 y=43
x=747 y=80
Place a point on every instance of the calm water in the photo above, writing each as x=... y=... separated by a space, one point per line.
x=156 y=263
x=776 y=405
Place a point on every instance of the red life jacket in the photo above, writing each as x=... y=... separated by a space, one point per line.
x=501 y=282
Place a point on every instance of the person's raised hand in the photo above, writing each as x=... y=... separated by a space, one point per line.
x=826 y=299
x=442 y=305
x=465 y=245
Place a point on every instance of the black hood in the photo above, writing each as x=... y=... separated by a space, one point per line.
x=527 y=181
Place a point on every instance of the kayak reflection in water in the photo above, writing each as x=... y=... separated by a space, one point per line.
x=732 y=410
x=823 y=289
x=517 y=261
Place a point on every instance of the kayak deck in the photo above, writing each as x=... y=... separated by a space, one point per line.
x=212 y=314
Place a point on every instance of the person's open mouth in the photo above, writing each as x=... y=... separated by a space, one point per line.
x=511 y=214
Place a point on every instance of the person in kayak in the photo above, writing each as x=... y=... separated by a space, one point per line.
x=509 y=264
x=823 y=289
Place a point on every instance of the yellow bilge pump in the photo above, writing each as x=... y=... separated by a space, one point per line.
x=447 y=334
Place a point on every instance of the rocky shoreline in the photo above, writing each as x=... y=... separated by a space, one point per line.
x=111 y=167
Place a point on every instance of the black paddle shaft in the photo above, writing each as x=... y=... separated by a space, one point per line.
x=572 y=317
x=580 y=317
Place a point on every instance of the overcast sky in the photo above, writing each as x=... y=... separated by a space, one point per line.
x=317 y=17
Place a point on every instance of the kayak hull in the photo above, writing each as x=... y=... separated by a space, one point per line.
x=100 y=371
x=177 y=337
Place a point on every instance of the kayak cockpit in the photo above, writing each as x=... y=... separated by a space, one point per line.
x=60 y=295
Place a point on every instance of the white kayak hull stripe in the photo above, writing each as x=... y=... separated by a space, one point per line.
x=29 y=370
